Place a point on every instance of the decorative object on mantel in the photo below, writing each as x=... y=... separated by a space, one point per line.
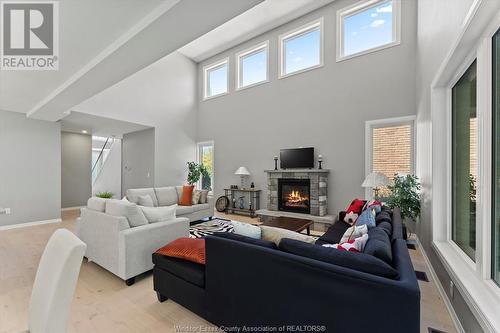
x=221 y=204
x=243 y=173
x=375 y=180
x=275 y=162
x=253 y=201
x=233 y=187
x=252 y=185
x=320 y=161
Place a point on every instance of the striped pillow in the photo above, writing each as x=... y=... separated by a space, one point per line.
x=191 y=249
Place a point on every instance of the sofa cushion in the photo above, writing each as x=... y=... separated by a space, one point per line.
x=383 y=216
x=184 y=210
x=387 y=227
x=246 y=239
x=97 y=204
x=199 y=207
x=246 y=229
x=158 y=214
x=133 y=195
x=186 y=270
x=146 y=201
x=276 y=234
x=191 y=249
x=204 y=197
x=356 y=261
x=334 y=233
x=379 y=245
x=130 y=210
x=167 y=196
x=186 y=198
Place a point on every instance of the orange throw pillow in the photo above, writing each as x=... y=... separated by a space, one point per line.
x=187 y=196
x=191 y=249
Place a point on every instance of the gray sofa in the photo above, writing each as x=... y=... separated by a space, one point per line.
x=167 y=196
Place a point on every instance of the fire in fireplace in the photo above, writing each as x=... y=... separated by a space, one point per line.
x=293 y=195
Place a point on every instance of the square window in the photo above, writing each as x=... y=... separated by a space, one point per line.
x=252 y=66
x=368 y=27
x=302 y=49
x=216 y=79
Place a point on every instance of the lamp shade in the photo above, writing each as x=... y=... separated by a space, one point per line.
x=242 y=171
x=375 y=179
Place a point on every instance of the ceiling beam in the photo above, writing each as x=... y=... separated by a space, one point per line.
x=171 y=26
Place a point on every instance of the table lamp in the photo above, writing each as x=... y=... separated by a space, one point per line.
x=242 y=172
x=375 y=180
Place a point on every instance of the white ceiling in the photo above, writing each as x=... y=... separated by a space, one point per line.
x=263 y=17
x=85 y=29
x=77 y=122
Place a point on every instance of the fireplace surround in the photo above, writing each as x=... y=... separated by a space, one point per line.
x=294 y=195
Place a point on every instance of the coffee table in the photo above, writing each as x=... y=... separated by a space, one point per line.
x=289 y=223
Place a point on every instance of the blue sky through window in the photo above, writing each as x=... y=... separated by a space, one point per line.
x=254 y=68
x=368 y=29
x=217 y=81
x=302 y=52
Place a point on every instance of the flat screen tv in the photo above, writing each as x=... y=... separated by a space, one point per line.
x=297 y=158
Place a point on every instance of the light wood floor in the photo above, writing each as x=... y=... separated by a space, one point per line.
x=104 y=304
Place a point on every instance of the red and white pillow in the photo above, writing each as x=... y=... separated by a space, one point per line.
x=355 y=245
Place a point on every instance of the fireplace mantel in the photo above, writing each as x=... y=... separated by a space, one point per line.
x=298 y=170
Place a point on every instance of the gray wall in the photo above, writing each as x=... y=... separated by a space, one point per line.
x=76 y=169
x=325 y=108
x=138 y=159
x=163 y=96
x=439 y=23
x=30 y=169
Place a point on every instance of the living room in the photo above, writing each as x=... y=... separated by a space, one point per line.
x=303 y=116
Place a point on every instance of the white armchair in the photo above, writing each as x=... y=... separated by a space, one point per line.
x=122 y=250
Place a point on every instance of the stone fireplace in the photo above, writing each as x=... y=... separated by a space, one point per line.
x=302 y=191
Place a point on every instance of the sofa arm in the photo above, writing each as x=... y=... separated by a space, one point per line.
x=137 y=245
x=211 y=202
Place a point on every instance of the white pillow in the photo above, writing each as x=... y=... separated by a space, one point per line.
x=358 y=232
x=129 y=210
x=145 y=200
x=98 y=204
x=158 y=214
x=246 y=229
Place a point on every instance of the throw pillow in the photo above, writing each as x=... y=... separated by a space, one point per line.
x=379 y=245
x=196 y=197
x=356 y=206
x=98 y=204
x=204 y=197
x=357 y=261
x=146 y=201
x=367 y=218
x=245 y=239
x=387 y=227
x=159 y=214
x=355 y=245
x=246 y=229
x=186 y=198
x=129 y=210
x=191 y=249
x=353 y=233
x=334 y=234
x=275 y=235
x=350 y=218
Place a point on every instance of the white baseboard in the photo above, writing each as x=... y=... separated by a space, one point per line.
x=440 y=288
x=71 y=208
x=28 y=224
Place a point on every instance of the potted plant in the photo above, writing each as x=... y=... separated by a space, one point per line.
x=105 y=195
x=195 y=171
x=405 y=194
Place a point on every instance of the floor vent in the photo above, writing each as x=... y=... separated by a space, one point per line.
x=433 y=330
x=422 y=276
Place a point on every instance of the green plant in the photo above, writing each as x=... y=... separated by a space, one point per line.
x=195 y=171
x=405 y=194
x=104 y=195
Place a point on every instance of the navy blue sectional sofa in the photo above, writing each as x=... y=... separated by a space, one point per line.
x=298 y=286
